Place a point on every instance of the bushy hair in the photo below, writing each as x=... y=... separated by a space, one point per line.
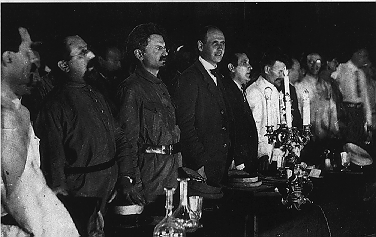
x=272 y=55
x=139 y=36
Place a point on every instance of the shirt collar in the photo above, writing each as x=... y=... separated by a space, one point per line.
x=238 y=85
x=265 y=82
x=208 y=66
x=352 y=66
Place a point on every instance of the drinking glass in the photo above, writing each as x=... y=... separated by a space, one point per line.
x=345 y=161
x=195 y=203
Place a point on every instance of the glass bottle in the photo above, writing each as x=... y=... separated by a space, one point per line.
x=184 y=215
x=169 y=226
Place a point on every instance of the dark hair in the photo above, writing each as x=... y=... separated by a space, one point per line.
x=232 y=58
x=139 y=36
x=272 y=55
x=203 y=32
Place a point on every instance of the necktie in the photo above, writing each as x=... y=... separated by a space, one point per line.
x=244 y=93
x=357 y=83
x=216 y=73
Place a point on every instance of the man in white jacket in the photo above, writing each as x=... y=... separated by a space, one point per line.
x=272 y=70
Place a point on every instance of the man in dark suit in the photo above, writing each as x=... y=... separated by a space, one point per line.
x=245 y=140
x=202 y=112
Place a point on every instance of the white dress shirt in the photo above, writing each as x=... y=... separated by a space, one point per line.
x=208 y=67
x=257 y=102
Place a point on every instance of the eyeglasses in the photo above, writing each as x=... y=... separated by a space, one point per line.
x=161 y=48
x=82 y=53
x=318 y=61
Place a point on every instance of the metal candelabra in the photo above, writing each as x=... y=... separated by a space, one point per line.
x=291 y=141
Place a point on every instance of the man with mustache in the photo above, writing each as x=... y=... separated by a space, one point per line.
x=147 y=116
x=83 y=151
x=203 y=113
x=272 y=68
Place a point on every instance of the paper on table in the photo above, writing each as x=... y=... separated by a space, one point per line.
x=315 y=173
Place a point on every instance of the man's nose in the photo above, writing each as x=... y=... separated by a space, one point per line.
x=90 y=55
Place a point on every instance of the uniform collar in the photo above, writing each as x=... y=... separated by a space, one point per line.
x=147 y=75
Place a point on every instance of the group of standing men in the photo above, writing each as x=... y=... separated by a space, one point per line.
x=88 y=149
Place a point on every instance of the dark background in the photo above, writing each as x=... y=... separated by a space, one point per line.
x=329 y=28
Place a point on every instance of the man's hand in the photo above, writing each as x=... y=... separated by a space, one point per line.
x=132 y=195
x=60 y=190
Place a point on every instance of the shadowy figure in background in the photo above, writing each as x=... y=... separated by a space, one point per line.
x=352 y=83
x=107 y=73
x=178 y=60
x=323 y=110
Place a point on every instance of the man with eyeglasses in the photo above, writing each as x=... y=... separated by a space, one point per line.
x=147 y=116
x=83 y=152
x=245 y=139
x=323 y=107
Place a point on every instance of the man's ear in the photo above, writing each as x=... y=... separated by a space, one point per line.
x=231 y=67
x=6 y=58
x=200 y=45
x=139 y=55
x=266 y=69
x=63 y=65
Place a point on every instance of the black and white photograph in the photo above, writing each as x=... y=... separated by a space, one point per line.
x=188 y=118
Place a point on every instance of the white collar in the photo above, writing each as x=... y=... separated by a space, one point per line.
x=352 y=66
x=238 y=84
x=208 y=66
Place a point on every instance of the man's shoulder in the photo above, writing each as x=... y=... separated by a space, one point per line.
x=12 y=118
x=133 y=82
x=191 y=71
x=255 y=86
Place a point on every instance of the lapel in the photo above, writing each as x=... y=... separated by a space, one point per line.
x=215 y=90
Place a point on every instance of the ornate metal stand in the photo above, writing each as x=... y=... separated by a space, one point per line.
x=291 y=141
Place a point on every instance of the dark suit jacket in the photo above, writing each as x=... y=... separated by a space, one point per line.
x=245 y=140
x=204 y=118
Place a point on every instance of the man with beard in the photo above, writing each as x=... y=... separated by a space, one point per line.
x=83 y=153
x=245 y=139
x=147 y=116
x=203 y=113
